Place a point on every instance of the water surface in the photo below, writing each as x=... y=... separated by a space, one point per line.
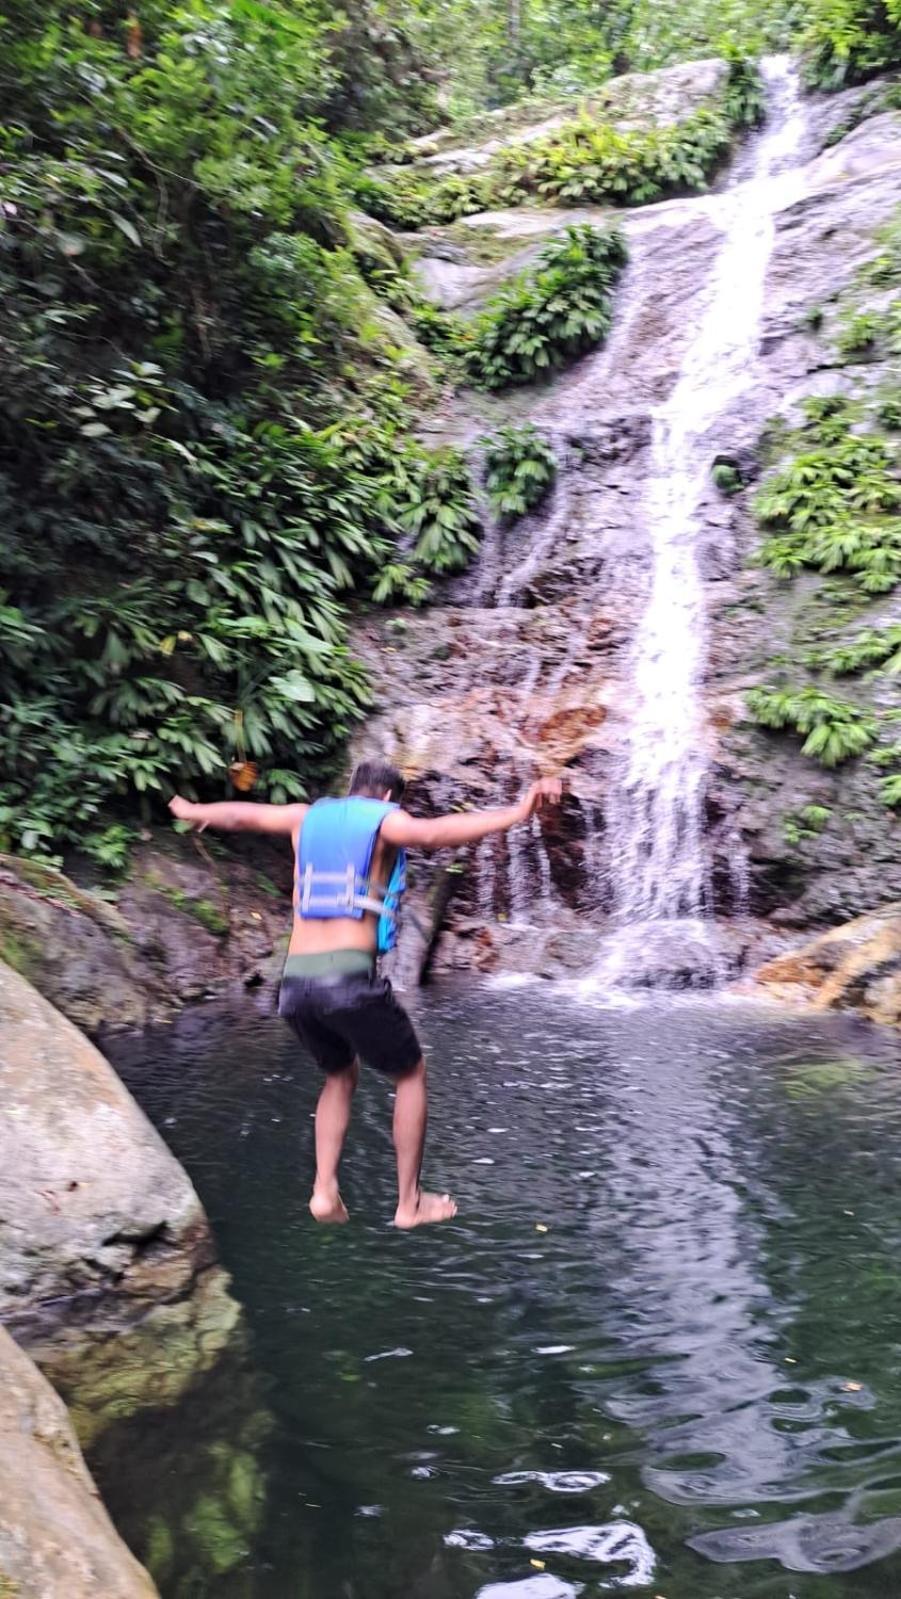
x=659 y=1351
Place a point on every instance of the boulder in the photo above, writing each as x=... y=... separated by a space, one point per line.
x=92 y=1204
x=853 y=967
x=56 y=1539
x=186 y=926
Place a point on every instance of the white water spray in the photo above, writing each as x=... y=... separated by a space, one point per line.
x=659 y=868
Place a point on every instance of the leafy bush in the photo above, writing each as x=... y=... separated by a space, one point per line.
x=744 y=100
x=890 y=791
x=847 y=41
x=520 y=468
x=860 y=333
x=875 y=649
x=548 y=317
x=411 y=200
x=596 y=163
x=834 y=731
x=583 y=161
x=204 y=458
x=440 y=514
x=727 y=478
x=833 y=504
x=808 y=822
x=888 y=414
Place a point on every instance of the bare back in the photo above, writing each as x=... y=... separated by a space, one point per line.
x=309 y=937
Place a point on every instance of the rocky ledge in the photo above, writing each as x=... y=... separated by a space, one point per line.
x=189 y=922
x=853 y=967
x=107 y=1268
x=56 y=1539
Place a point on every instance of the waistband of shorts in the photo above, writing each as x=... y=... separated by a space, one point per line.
x=330 y=963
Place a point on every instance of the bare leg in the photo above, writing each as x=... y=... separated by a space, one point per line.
x=332 y=1121
x=410 y=1119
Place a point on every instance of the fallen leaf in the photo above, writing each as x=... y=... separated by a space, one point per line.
x=540 y=1227
x=538 y=1564
x=852 y=1387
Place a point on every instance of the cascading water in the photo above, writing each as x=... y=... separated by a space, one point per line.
x=658 y=865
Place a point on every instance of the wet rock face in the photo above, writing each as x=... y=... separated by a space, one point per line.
x=186 y=926
x=524 y=666
x=93 y=1207
x=56 y=1539
x=853 y=967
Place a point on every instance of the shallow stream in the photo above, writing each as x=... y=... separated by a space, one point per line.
x=659 y=1351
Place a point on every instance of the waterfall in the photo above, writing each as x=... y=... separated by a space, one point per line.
x=658 y=864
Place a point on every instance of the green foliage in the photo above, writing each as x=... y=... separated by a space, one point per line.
x=439 y=513
x=203 y=458
x=890 y=791
x=874 y=650
x=847 y=41
x=834 y=731
x=859 y=334
x=596 y=163
x=888 y=413
x=520 y=468
x=832 y=506
x=546 y=318
x=744 y=97
x=727 y=478
x=808 y=822
x=410 y=200
x=583 y=161
x=201 y=910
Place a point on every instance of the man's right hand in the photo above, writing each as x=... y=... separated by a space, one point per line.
x=547 y=791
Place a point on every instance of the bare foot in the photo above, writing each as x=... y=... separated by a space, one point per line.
x=327 y=1205
x=428 y=1208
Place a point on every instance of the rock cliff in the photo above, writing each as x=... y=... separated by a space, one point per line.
x=56 y=1539
x=107 y=1269
x=853 y=967
x=525 y=666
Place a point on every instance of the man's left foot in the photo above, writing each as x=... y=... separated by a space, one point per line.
x=327 y=1205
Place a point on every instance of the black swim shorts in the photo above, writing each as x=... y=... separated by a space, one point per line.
x=348 y=1016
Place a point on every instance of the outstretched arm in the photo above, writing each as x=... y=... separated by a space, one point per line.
x=441 y=832
x=240 y=816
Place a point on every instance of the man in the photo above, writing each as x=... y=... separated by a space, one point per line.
x=348 y=878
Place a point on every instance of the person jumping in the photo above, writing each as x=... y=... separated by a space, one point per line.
x=349 y=878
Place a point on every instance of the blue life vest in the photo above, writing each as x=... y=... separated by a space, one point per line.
x=334 y=857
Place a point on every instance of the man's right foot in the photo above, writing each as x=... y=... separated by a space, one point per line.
x=327 y=1205
x=426 y=1208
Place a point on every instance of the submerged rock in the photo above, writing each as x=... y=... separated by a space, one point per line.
x=853 y=967
x=56 y=1539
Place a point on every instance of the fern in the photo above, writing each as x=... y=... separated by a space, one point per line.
x=834 y=731
x=520 y=468
x=874 y=649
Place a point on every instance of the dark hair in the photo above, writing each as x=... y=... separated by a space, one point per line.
x=375 y=778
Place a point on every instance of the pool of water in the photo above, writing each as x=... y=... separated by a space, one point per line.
x=659 y=1350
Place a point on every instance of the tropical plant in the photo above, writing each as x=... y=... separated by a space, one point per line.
x=834 y=731
x=520 y=467
x=847 y=41
x=832 y=506
x=546 y=318
x=411 y=200
x=876 y=649
x=727 y=478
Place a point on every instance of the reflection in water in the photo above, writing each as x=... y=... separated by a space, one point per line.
x=661 y=1337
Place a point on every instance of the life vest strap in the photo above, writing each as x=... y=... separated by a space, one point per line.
x=349 y=900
